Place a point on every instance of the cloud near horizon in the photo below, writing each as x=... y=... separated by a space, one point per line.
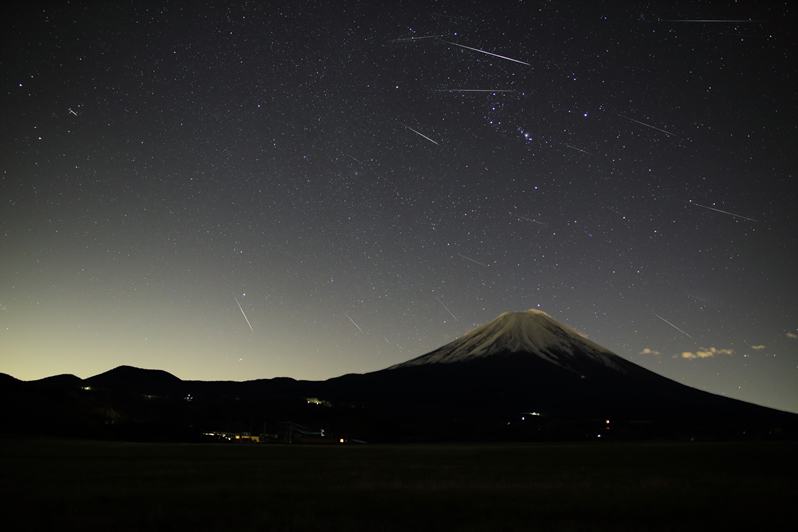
x=757 y=347
x=792 y=335
x=706 y=353
x=648 y=351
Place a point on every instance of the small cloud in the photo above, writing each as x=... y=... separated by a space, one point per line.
x=707 y=353
x=792 y=335
x=757 y=347
x=648 y=351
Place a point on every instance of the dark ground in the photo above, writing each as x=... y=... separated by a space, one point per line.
x=657 y=486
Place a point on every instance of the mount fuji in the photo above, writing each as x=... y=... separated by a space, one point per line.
x=532 y=332
x=528 y=362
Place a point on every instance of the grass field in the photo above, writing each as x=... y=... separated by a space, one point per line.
x=88 y=485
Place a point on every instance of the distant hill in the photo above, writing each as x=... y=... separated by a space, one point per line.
x=60 y=380
x=130 y=378
x=6 y=379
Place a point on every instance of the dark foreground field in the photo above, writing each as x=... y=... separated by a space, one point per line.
x=72 y=485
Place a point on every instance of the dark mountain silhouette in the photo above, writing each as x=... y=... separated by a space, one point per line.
x=60 y=380
x=526 y=361
x=130 y=378
x=8 y=380
x=521 y=376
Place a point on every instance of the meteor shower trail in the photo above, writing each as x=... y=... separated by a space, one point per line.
x=242 y=312
x=475 y=90
x=674 y=326
x=423 y=135
x=648 y=125
x=472 y=260
x=409 y=39
x=718 y=210
x=575 y=148
x=359 y=161
x=729 y=21
x=484 y=52
x=353 y=323
x=606 y=207
x=447 y=309
x=529 y=220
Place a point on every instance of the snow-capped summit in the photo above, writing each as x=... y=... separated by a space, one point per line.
x=531 y=331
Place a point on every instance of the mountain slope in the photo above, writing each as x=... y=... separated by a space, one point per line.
x=533 y=332
x=527 y=361
x=131 y=378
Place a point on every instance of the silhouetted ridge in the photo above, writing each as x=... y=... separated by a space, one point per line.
x=129 y=378
x=66 y=379
x=482 y=386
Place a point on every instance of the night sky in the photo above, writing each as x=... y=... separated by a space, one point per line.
x=310 y=189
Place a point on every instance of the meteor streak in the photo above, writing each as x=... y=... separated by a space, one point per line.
x=531 y=220
x=475 y=90
x=423 y=135
x=484 y=52
x=575 y=148
x=672 y=325
x=718 y=210
x=351 y=157
x=447 y=309
x=406 y=39
x=353 y=323
x=242 y=312
x=435 y=15
x=610 y=208
x=648 y=125
x=472 y=260
x=711 y=20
